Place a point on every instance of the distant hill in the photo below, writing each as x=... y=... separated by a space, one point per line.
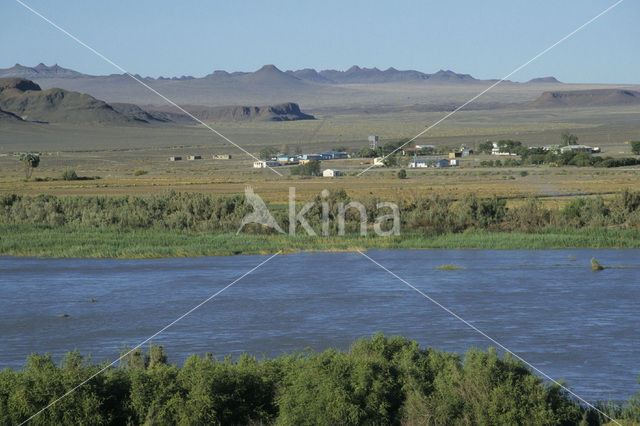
x=544 y=80
x=25 y=99
x=451 y=77
x=40 y=71
x=586 y=98
x=283 y=112
x=357 y=75
x=310 y=74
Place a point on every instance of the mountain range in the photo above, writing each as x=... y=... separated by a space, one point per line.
x=355 y=87
x=353 y=75
x=57 y=94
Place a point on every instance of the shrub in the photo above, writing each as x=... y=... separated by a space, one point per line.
x=635 y=147
x=140 y=172
x=69 y=175
x=312 y=168
x=402 y=174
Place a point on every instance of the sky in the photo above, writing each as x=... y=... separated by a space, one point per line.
x=195 y=37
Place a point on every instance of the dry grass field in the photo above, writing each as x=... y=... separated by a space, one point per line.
x=116 y=153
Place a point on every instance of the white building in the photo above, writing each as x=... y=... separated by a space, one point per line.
x=265 y=164
x=428 y=162
x=332 y=173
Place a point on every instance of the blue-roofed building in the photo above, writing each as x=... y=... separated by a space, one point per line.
x=288 y=159
x=311 y=157
x=333 y=155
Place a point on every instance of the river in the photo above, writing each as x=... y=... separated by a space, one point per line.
x=570 y=322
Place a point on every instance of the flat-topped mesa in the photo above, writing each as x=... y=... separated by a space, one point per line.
x=586 y=98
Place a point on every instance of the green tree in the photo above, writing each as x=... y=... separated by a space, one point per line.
x=583 y=159
x=635 y=147
x=402 y=174
x=568 y=138
x=390 y=161
x=312 y=168
x=485 y=147
x=30 y=161
x=366 y=152
x=267 y=153
x=511 y=146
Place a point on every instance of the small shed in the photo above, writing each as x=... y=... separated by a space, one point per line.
x=332 y=173
x=454 y=162
x=455 y=154
x=222 y=157
x=194 y=157
x=175 y=158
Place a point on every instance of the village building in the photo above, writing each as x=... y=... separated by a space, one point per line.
x=428 y=162
x=332 y=173
x=265 y=164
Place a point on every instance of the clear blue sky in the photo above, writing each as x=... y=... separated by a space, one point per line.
x=194 y=37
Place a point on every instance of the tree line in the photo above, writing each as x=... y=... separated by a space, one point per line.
x=379 y=380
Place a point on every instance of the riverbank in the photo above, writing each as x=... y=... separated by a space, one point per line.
x=115 y=242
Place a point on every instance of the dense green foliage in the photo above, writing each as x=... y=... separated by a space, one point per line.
x=378 y=381
x=432 y=215
x=312 y=168
x=193 y=224
x=485 y=147
x=537 y=156
x=268 y=152
x=635 y=147
x=172 y=210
